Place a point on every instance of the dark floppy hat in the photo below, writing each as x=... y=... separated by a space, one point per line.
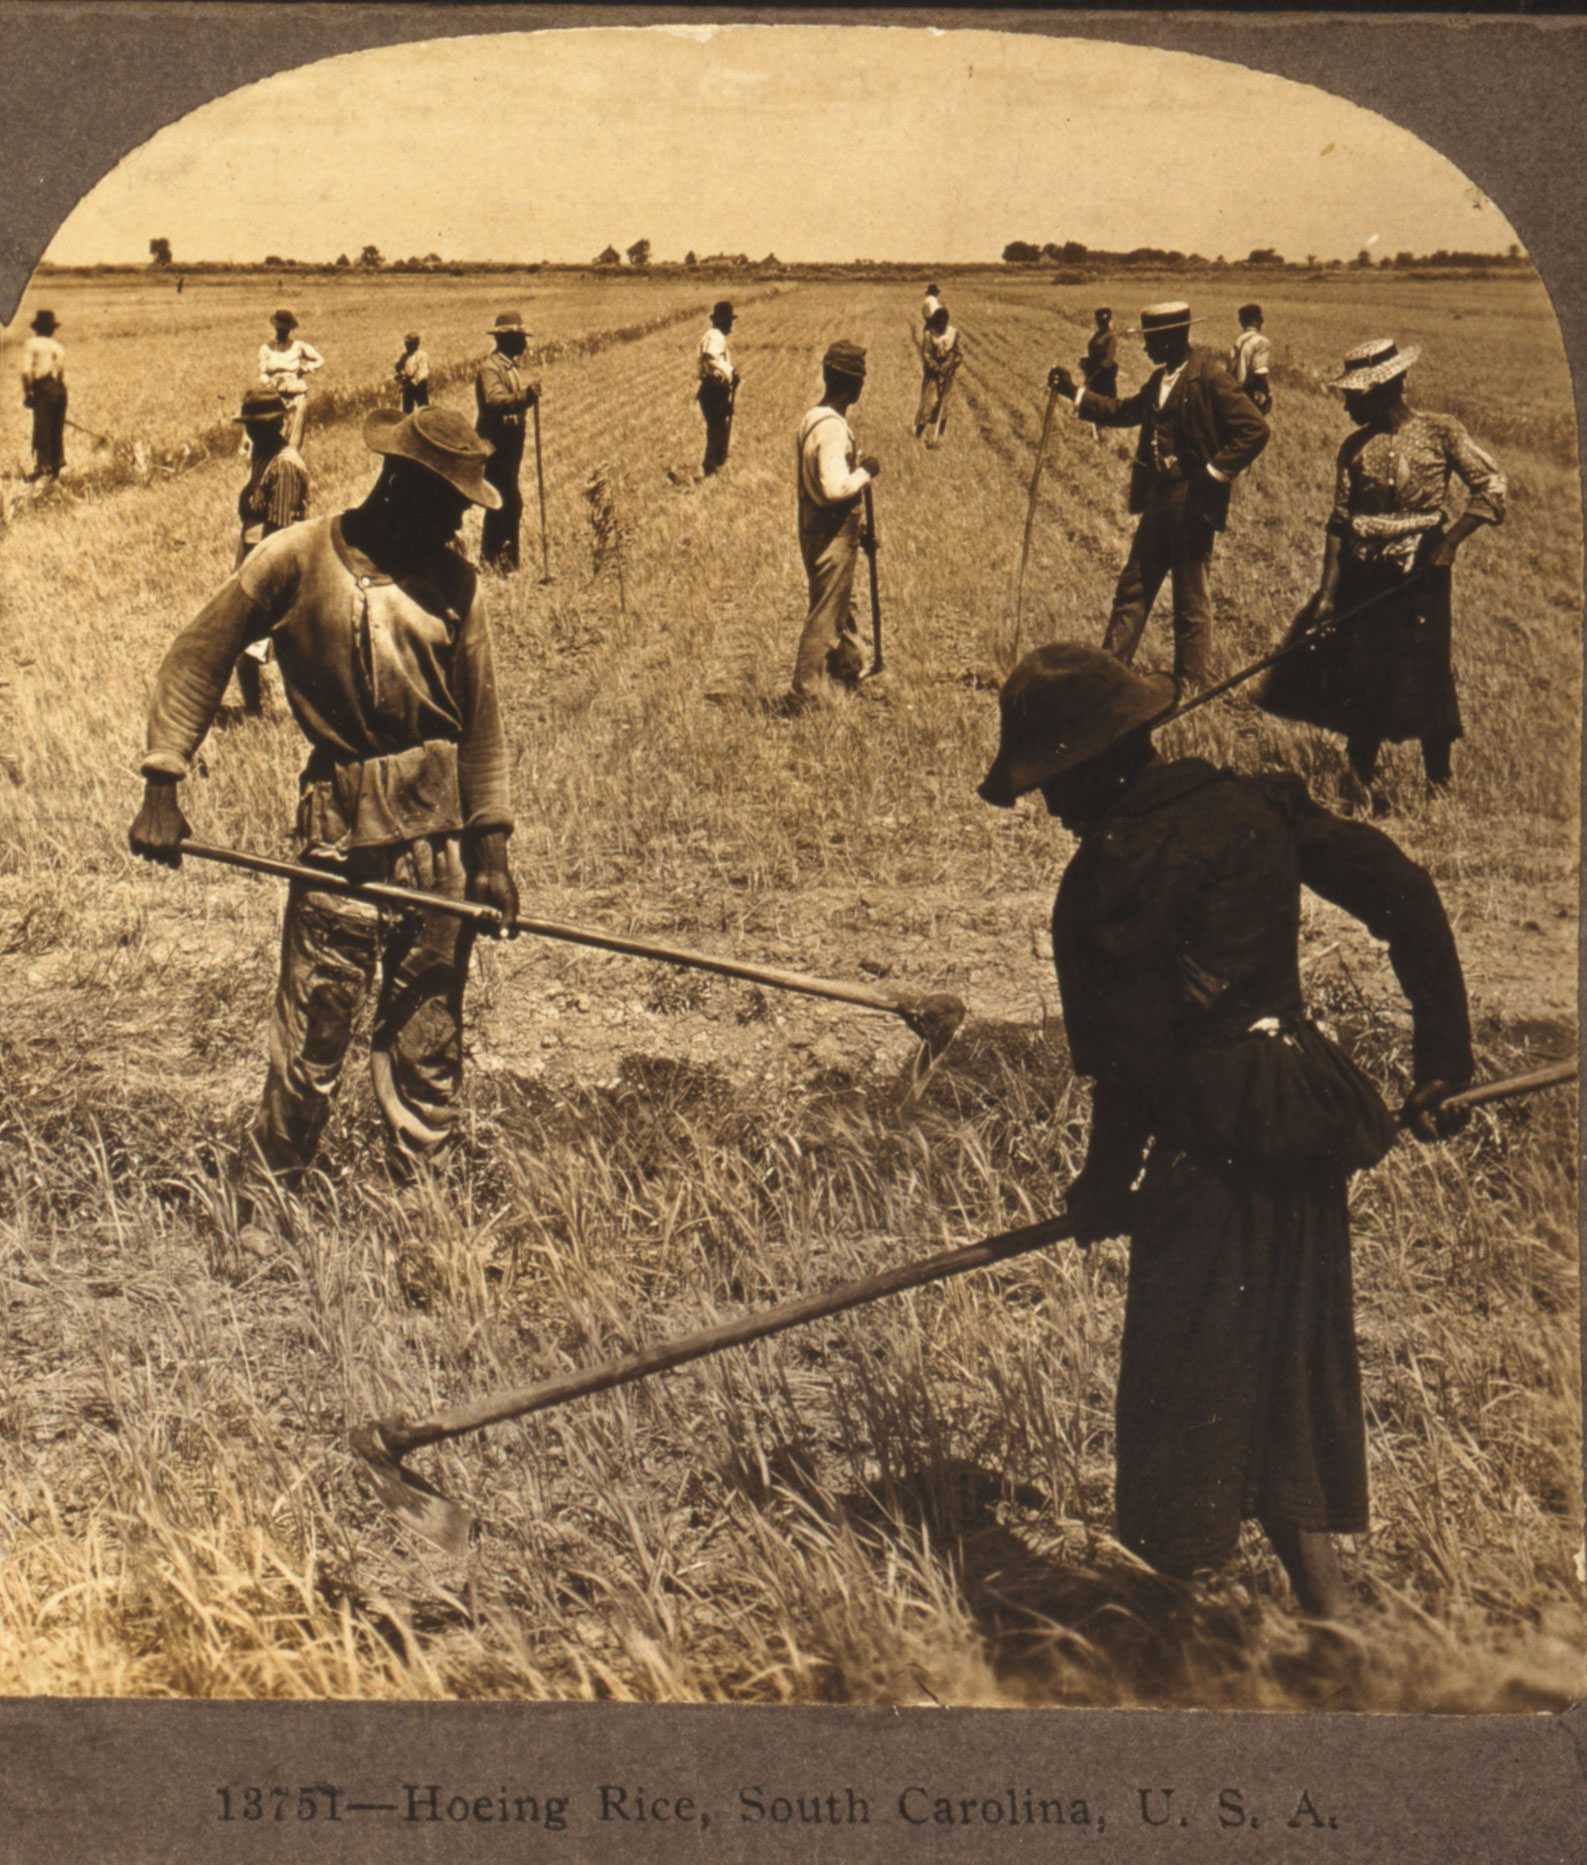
x=1062 y=705
x=722 y=308
x=285 y=315
x=261 y=405
x=508 y=321
x=411 y=337
x=844 y=358
x=44 y=322
x=442 y=442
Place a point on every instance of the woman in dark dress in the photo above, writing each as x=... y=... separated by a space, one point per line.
x=1391 y=542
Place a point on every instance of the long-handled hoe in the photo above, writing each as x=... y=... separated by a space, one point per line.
x=934 y=1016
x=383 y=1443
x=871 y=547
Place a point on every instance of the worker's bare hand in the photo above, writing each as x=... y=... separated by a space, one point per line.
x=159 y=828
x=1425 y=1116
x=490 y=883
x=1060 y=379
x=870 y=464
x=1322 y=608
x=1098 y=1207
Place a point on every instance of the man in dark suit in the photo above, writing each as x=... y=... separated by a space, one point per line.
x=503 y=394
x=1197 y=431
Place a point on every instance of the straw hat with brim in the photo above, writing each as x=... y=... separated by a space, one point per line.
x=442 y=442
x=1369 y=364
x=844 y=358
x=507 y=322
x=1171 y=316
x=261 y=405
x=1063 y=705
x=44 y=323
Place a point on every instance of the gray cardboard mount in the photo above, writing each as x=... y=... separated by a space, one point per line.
x=1502 y=99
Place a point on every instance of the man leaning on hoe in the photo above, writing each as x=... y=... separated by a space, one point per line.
x=379 y=631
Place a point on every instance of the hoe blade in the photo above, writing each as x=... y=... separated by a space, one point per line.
x=415 y=1503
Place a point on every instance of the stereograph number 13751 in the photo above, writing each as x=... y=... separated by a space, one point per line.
x=279 y=1803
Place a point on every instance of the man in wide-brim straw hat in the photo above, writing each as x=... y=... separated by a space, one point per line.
x=503 y=395
x=831 y=484
x=1392 y=536
x=44 y=392
x=1197 y=434
x=276 y=495
x=1175 y=937
x=379 y=630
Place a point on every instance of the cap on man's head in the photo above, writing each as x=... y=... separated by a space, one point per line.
x=1063 y=705
x=442 y=442
x=932 y=286
x=722 y=308
x=1171 y=315
x=261 y=405
x=1104 y=310
x=411 y=337
x=1250 y=314
x=845 y=358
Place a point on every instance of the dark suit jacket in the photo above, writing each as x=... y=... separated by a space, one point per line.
x=1210 y=422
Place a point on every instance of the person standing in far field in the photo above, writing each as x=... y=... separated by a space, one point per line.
x=285 y=365
x=503 y=395
x=1197 y=432
x=939 y=364
x=1099 y=367
x=1225 y=1124
x=719 y=381
x=929 y=305
x=276 y=495
x=1391 y=543
x=44 y=392
x=412 y=370
x=1251 y=359
x=831 y=481
x=379 y=627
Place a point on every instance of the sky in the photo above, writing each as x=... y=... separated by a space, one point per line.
x=813 y=142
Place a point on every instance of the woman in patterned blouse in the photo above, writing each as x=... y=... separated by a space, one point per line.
x=1392 y=538
x=285 y=365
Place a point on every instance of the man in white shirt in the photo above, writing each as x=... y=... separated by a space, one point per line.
x=1252 y=357
x=1197 y=431
x=939 y=364
x=930 y=304
x=718 y=380
x=412 y=370
x=831 y=481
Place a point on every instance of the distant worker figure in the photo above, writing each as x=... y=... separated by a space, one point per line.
x=831 y=481
x=285 y=365
x=931 y=303
x=719 y=382
x=412 y=370
x=1099 y=367
x=1251 y=359
x=380 y=630
x=1197 y=433
x=939 y=364
x=276 y=495
x=1391 y=542
x=503 y=395
x=44 y=391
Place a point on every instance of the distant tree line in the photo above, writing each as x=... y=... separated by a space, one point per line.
x=1072 y=252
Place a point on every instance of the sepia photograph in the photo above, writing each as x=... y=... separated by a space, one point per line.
x=789 y=901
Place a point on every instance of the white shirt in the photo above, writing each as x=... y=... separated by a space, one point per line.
x=715 y=357
x=284 y=369
x=930 y=303
x=42 y=357
x=827 y=473
x=1252 y=355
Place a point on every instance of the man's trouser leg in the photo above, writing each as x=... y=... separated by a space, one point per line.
x=499 y=540
x=1192 y=561
x=297 y=414
x=714 y=405
x=49 y=427
x=416 y=1051
x=1149 y=561
x=329 y=948
x=830 y=658
x=926 y=408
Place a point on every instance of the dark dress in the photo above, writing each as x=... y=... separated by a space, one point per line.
x=1175 y=934
x=1389 y=673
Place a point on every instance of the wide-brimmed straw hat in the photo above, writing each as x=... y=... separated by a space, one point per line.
x=845 y=358
x=507 y=321
x=261 y=405
x=1063 y=705
x=1368 y=364
x=442 y=442
x=1171 y=315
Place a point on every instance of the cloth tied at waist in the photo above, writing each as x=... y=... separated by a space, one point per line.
x=368 y=802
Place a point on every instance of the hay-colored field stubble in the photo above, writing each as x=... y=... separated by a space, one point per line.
x=909 y=1502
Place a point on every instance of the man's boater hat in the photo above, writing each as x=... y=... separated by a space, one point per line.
x=1063 y=705
x=442 y=442
x=1369 y=364
x=844 y=358
x=1172 y=315
x=261 y=405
